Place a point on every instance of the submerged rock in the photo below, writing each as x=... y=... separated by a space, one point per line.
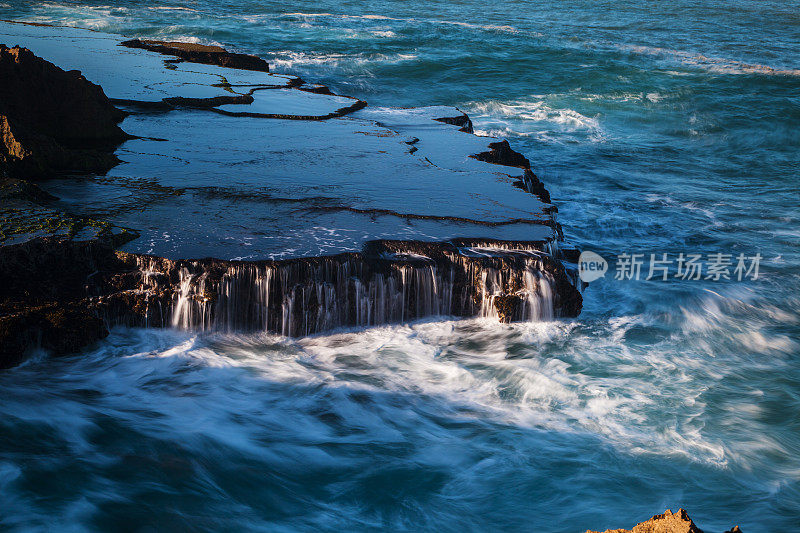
x=53 y=120
x=667 y=522
x=201 y=53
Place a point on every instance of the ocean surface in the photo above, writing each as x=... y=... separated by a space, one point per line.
x=669 y=127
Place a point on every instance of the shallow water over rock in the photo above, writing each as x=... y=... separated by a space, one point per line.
x=659 y=127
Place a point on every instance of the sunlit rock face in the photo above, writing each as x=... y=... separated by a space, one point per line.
x=313 y=210
x=667 y=522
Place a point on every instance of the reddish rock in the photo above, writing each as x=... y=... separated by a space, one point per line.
x=51 y=120
x=668 y=522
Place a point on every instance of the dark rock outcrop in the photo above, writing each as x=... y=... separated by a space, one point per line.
x=388 y=282
x=667 y=522
x=462 y=121
x=44 y=283
x=201 y=53
x=532 y=184
x=16 y=189
x=208 y=103
x=51 y=120
x=57 y=291
x=501 y=153
x=59 y=329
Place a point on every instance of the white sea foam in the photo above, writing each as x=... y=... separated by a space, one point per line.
x=489 y=27
x=537 y=110
x=411 y=20
x=427 y=360
x=519 y=118
x=712 y=64
x=172 y=8
x=290 y=58
x=174 y=33
x=341 y=16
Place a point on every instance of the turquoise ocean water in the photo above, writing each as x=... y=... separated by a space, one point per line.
x=670 y=127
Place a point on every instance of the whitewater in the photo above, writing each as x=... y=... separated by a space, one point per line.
x=668 y=128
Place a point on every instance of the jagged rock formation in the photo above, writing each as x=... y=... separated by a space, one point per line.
x=667 y=522
x=51 y=120
x=201 y=53
x=501 y=153
x=462 y=121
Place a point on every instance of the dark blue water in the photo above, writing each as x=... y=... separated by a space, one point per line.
x=669 y=127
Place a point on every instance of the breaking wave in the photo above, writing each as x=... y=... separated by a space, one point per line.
x=533 y=118
x=289 y=58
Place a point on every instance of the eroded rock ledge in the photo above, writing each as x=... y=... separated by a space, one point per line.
x=52 y=284
x=201 y=53
x=64 y=291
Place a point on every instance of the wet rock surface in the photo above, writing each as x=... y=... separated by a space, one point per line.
x=314 y=211
x=667 y=522
x=52 y=120
x=387 y=282
x=62 y=294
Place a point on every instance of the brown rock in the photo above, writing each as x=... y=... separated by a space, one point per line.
x=201 y=53
x=668 y=522
x=51 y=120
x=507 y=306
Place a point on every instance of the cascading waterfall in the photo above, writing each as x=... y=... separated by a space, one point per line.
x=310 y=295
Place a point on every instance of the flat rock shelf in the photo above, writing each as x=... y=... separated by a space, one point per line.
x=318 y=210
